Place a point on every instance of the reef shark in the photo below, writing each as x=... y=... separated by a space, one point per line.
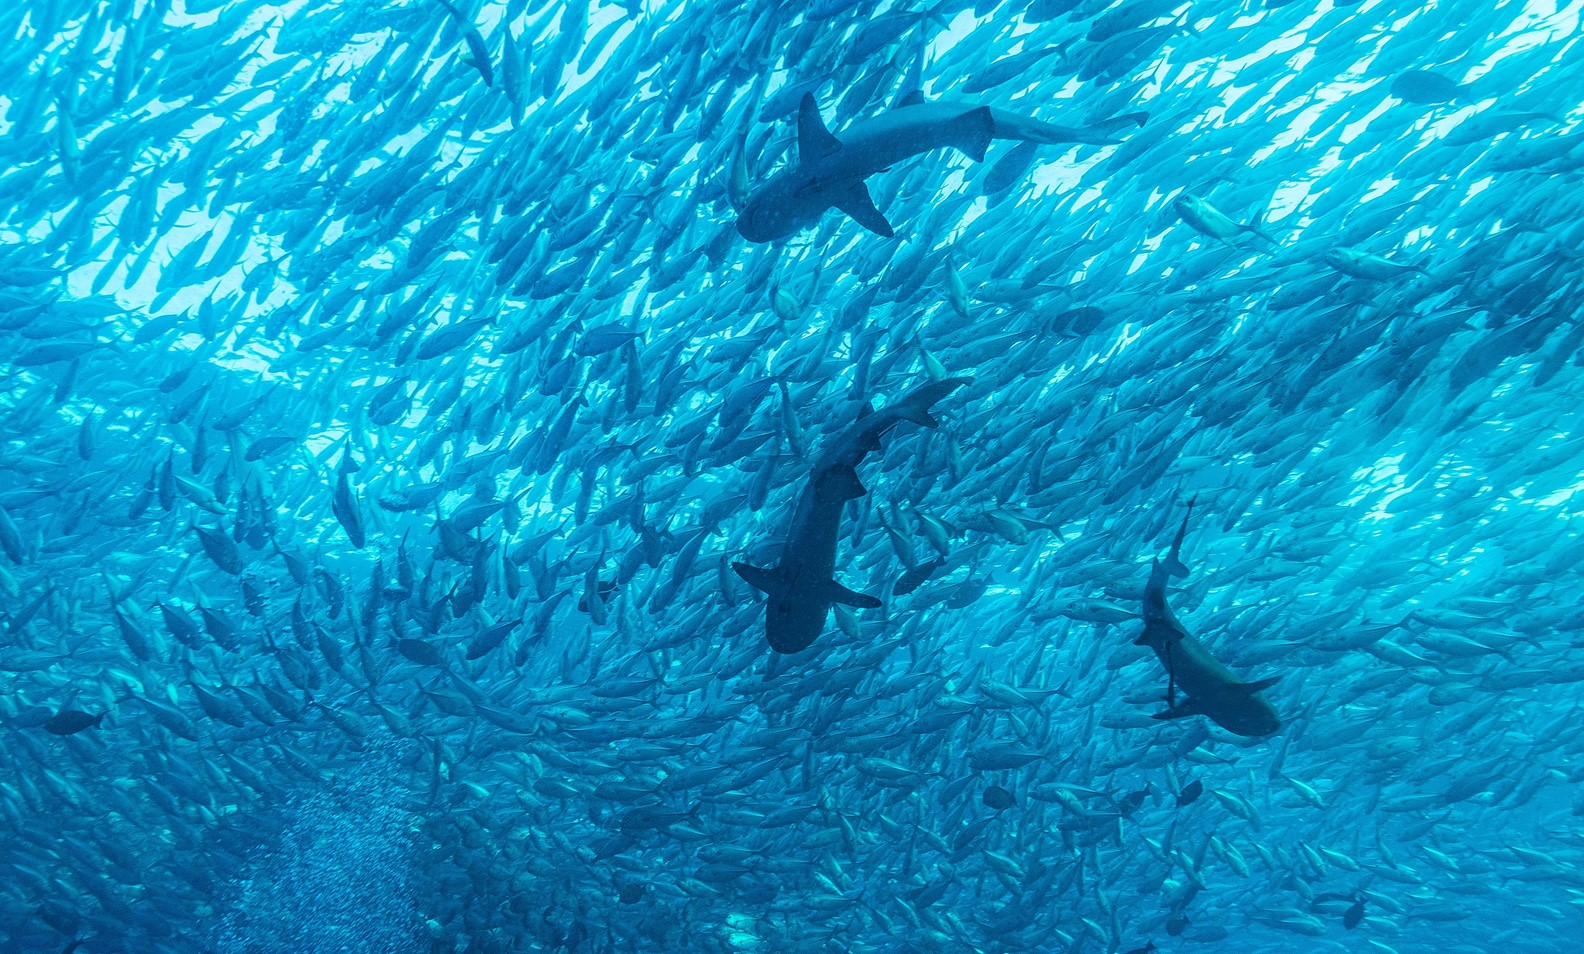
x=830 y=171
x=1211 y=688
x=801 y=587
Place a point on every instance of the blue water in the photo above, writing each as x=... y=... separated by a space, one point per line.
x=423 y=427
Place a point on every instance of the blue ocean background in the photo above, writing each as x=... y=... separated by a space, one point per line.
x=387 y=391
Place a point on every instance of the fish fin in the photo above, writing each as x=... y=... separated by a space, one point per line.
x=975 y=129
x=1123 y=121
x=915 y=408
x=1174 y=563
x=858 y=205
x=1108 y=128
x=916 y=413
x=837 y=593
x=767 y=580
x=1258 y=685
x=843 y=481
x=1188 y=708
x=910 y=98
x=1256 y=226
x=814 y=140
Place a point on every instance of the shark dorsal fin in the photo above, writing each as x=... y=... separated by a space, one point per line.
x=814 y=140
x=914 y=98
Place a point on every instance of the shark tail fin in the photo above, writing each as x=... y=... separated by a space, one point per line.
x=837 y=593
x=1174 y=563
x=1108 y=128
x=974 y=130
x=915 y=408
x=766 y=580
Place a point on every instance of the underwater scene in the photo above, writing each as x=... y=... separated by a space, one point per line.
x=1081 y=476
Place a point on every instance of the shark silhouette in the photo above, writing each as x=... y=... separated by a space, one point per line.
x=1210 y=687
x=830 y=172
x=801 y=587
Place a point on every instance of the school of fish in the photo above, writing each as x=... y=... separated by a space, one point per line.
x=899 y=476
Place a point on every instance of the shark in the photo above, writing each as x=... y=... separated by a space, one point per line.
x=801 y=587
x=830 y=171
x=1210 y=688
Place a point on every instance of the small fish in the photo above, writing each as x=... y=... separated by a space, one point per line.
x=1351 y=261
x=72 y=721
x=1426 y=87
x=1210 y=221
x=1354 y=915
x=916 y=576
x=998 y=798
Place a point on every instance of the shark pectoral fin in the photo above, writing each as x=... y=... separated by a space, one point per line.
x=859 y=205
x=765 y=580
x=814 y=140
x=837 y=593
x=914 y=98
x=843 y=481
x=975 y=129
x=1258 y=685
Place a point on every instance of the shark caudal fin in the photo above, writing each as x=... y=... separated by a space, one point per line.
x=857 y=204
x=1174 y=563
x=837 y=593
x=1099 y=133
x=915 y=408
x=815 y=141
x=1119 y=123
x=767 y=580
x=972 y=132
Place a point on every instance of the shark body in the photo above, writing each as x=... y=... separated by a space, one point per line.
x=1211 y=689
x=830 y=171
x=801 y=587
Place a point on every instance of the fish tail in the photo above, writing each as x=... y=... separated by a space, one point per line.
x=1256 y=226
